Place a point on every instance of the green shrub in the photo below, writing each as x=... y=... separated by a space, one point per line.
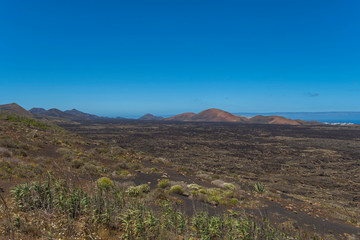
x=215 y=195
x=233 y=201
x=194 y=187
x=129 y=218
x=105 y=183
x=123 y=173
x=229 y=194
x=259 y=187
x=28 y=121
x=163 y=183
x=177 y=189
x=135 y=191
x=229 y=186
x=144 y=188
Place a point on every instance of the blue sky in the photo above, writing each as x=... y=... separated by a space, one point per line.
x=127 y=58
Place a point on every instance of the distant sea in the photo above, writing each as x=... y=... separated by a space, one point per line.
x=324 y=117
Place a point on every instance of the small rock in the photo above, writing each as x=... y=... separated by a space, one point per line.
x=218 y=183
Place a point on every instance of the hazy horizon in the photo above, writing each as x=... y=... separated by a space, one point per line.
x=328 y=117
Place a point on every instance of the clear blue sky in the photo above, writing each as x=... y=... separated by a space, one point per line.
x=128 y=58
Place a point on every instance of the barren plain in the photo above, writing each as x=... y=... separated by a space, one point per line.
x=316 y=164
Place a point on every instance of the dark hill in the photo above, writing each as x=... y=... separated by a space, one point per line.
x=67 y=115
x=181 y=117
x=209 y=115
x=279 y=120
x=272 y=120
x=149 y=116
x=15 y=109
x=78 y=115
x=54 y=112
x=39 y=111
x=217 y=115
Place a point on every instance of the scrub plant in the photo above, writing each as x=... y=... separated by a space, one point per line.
x=177 y=189
x=85 y=213
x=163 y=183
x=259 y=187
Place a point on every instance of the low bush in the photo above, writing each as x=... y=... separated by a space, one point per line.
x=123 y=173
x=144 y=188
x=29 y=122
x=74 y=213
x=163 y=183
x=177 y=189
x=194 y=187
x=135 y=191
x=105 y=183
x=230 y=186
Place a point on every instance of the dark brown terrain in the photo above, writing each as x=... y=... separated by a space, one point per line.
x=287 y=181
x=315 y=169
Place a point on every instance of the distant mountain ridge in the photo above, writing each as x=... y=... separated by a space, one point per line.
x=209 y=115
x=15 y=108
x=217 y=115
x=52 y=114
x=182 y=117
x=68 y=114
x=83 y=116
x=260 y=119
x=149 y=117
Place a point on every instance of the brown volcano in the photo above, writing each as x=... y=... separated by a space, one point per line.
x=182 y=117
x=217 y=115
x=15 y=109
x=209 y=115
x=272 y=120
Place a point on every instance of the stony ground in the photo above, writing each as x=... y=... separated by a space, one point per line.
x=317 y=167
x=93 y=186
